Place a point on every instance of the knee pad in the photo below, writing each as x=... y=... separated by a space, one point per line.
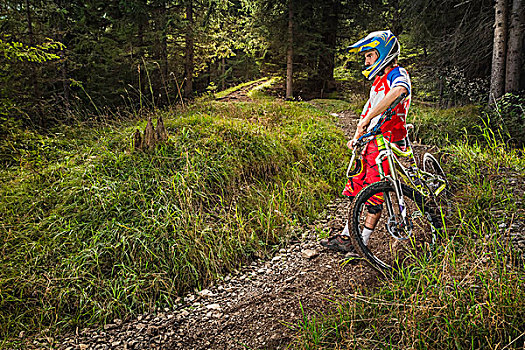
x=374 y=209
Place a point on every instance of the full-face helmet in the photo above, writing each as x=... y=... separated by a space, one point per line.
x=386 y=45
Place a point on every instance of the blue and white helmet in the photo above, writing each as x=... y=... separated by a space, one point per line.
x=386 y=45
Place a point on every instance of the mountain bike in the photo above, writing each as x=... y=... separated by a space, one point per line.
x=404 y=204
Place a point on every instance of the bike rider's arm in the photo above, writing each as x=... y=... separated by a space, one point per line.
x=377 y=110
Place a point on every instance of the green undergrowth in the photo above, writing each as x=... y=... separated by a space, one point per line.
x=434 y=126
x=445 y=127
x=92 y=230
x=331 y=105
x=470 y=293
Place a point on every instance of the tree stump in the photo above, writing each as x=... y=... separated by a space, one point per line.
x=137 y=140
x=152 y=136
x=149 y=136
x=160 y=131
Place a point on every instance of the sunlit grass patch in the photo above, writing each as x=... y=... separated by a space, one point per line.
x=259 y=91
x=226 y=92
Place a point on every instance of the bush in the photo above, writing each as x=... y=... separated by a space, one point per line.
x=505 y=122
x=439 y=127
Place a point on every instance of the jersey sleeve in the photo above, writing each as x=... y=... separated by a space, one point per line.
x=399 y=77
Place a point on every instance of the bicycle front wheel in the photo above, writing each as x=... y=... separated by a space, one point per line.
x=394 y=241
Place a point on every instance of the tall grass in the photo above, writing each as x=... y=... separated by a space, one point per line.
x=470 y=294
x=444 y=126
x=91 y=230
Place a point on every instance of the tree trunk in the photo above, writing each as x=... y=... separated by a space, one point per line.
x=34 y=68
x=165 y=68
x=64 y=63
x=515 y=47
x=289 y=54
x=65 y=81
x=223 y=70
x=188 y=84
x=497 y=80
x=397 y=25
x=140 y=37
x=327 y=59
x=161 y=50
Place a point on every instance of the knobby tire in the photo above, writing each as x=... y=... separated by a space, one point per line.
x=443 y=201
x=383 y=251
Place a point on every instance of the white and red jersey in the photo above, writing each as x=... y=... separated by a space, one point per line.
x=394 y=129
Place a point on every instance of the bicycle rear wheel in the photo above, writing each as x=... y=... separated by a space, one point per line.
x=382 y=250
x=443 y=199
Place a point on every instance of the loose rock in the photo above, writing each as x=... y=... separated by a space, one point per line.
x=309 y=253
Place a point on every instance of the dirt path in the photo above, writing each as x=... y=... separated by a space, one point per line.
x=257 y=308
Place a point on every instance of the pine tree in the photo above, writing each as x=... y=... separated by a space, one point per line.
x=497 y=81
x=515 y=47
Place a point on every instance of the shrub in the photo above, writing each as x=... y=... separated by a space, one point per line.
x=434 y=126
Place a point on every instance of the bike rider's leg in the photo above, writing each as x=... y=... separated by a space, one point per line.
x=374 y=209
x=366 y=176
x=352 y=188
x=370 y=224
x=346 y=231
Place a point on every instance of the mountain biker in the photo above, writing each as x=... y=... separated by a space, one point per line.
x=380 y=50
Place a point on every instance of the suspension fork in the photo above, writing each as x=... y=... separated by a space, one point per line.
x=386 y=152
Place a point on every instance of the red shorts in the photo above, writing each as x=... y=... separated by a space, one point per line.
x=369 y=173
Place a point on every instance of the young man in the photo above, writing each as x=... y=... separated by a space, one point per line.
x=380 y=51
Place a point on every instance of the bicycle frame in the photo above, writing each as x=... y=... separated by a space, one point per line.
x=413 y=176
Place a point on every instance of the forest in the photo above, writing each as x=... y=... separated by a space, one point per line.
x=89 y=58
x=244 y=102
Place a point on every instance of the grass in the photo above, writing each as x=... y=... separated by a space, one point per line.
x=445 y=126
x=92 y=230
x=471 y=293
x=331 y=105
x=259 y=91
